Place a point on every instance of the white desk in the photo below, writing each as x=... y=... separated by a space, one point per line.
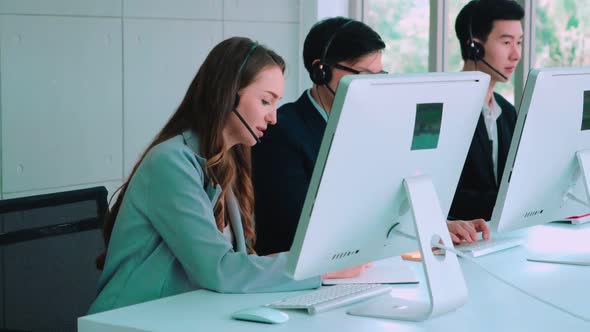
x=492 y=306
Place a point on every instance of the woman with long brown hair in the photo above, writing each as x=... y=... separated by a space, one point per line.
x=184 y=218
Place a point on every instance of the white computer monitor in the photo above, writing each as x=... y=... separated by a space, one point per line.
x=386 y=173
x=547 y=169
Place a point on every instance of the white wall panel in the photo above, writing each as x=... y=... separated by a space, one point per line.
x=261 y=10
x=85 y=85
x=331 y=8
x=161 y=59
x=187 y=9
x=62 y=7
x=60 y=101
x=280 y=37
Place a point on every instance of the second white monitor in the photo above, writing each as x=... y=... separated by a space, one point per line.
x=544 y=179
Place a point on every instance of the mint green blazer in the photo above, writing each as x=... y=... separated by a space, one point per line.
x=166 y=242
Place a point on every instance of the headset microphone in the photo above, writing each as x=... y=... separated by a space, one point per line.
x=494 y=69
x=235 y=110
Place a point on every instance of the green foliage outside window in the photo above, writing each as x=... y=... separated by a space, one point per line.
x=404 y=26
x=562 y=33
x=562 y=30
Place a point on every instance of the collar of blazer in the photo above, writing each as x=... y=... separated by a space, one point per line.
x=192 y=141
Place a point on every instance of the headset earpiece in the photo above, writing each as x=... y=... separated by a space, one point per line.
x=475 y=50
x=320 y=73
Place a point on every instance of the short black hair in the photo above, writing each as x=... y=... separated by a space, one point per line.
x=350 y=42
x=481 y=14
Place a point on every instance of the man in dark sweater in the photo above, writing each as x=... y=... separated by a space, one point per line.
x=283 y=163
x=490 y=34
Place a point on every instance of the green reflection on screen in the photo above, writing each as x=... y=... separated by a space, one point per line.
x=427 y=126
x=586 y=111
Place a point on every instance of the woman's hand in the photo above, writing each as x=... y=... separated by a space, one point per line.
x=350 y=272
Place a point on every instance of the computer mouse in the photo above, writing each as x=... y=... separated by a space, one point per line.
x=261 y=315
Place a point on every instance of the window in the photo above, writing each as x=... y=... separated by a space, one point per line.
x=561 y=36
x=562 y=33
x=455 y=61
x=404 y=27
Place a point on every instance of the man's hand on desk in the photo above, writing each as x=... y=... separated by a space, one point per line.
x=462 y=230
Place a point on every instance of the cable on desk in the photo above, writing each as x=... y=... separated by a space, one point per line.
x=495 y=276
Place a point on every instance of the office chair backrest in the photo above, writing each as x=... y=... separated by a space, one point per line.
x=47 y=248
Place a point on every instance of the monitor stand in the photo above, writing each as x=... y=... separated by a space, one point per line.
x=577 y=258
x=444 y=279
x=584 y=165
x=581 y=173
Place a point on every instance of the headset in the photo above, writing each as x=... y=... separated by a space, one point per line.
x=237 y=102
x=320 y=72
x=476 y=52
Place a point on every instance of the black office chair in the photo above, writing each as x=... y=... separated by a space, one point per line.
x=48 y=244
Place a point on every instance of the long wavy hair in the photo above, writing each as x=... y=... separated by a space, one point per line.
x=230 y=66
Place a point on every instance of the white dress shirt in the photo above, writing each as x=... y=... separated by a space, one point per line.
x=490 y=115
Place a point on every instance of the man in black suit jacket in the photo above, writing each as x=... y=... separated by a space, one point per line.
x=490 y=35
x=283 y=163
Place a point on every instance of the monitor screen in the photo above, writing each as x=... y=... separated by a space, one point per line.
x=586 y=111
x=427 y=126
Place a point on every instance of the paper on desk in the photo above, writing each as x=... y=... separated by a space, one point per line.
x=581 y=219
x=557 y=258
x=388 y=271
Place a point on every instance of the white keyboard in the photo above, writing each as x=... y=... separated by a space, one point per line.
x=482 y=247
x=330 y=297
